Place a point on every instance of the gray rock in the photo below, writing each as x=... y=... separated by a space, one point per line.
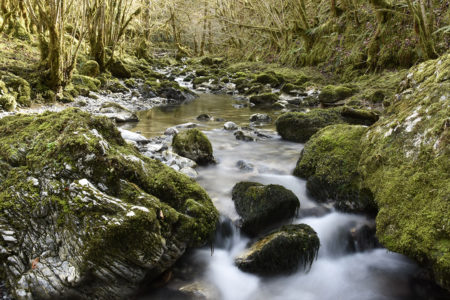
x=230 y=126
x=260 y=118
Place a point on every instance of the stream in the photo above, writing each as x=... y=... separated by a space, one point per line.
x=336 y=274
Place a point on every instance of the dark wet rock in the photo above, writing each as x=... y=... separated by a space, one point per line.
x=282 y=252
x=363 y=238
x=266 y=99
x=200 y=290
x=241 y=136
x=261 y=207
x=230 y=126
x=119 y=70
x=329 y=161
x=260 y=118
x=84 y=215
x=204 y=117
x=194 y=145
x=245 y=166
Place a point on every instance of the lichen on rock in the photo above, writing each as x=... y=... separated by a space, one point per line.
x=85 y=215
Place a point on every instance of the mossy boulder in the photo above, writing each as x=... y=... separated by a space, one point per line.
x=265 y=99
x=84 y=215
x=332 y=93
x=8 y=102
x=115 y=86
x=359 y=116
x=405 y=162
x=85 y=83
x=90 y=68
x=268 y=78
x=299 y=126
x=18 y=87
x=120 y=70
x=330 y=162
x=281 y=252
x=194 y=145
x=262 y=207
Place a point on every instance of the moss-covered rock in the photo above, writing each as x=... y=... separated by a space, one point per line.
x=261 y=207
x=268 y=78
x=405 y=162
x=194 y=145
x=18 y=87
x=115 y=86
x=266 y=99
x=330 y=162
x=332 y=93
x=81 y=82
x=119 y=69
x=8 y=102
x=84 y=215
x=281 y=252
x=90 y=68
x=299 y=127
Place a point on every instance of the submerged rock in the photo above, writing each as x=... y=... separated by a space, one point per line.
x=194 y=145
x=329 y=162
x=84 y=215
x=261 y=207
x=241 y=136
x=281 y=252
x=260 y=118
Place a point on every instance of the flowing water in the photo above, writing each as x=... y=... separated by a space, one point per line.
x=336 y=274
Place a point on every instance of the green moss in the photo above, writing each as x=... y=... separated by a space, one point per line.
x=405 y=163
x=17 y=86
x=8 y=102
x=119 y=69
x=299 y=127
x=330 y=163
x=268 y=78
x=331 y=93
x=81 y=82
x=283 y=251
x=193 y=144
x=261 y=207
x=90 y=68
x=265 y=99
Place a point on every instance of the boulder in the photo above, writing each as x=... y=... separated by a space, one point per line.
x=17 y=87
x=359 y=116
x=84 y=215
x=331 y=93
x=115 y=86
x=241 y=136
x=281 y=252
x=230 y=126
x=119 y=70
x=8 y=102
x=117 y=112
x=329 y=161
x=268 y=78
x=299 y=126
x=90 y=68
x=260 y=118
x=204 y=117
x=194 y=145
x=263 y=206
x=405 y=162
x=82 y=82
x=266 y=99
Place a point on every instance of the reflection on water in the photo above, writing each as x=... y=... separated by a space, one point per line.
x=336 y=274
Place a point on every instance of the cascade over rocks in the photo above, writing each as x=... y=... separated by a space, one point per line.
x=262 y=207
x=281 y=252
x=84 y=215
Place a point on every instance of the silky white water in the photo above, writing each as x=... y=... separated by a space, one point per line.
x=336 y=274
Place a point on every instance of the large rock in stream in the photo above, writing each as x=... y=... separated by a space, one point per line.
x=281 y=252
x=329 y=161
x=194 y=145
x=84 y=215
x=262 y=207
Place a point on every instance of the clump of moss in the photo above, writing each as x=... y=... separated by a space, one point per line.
x=193 y=144
x=119 y=69
x=265 y=99
x=18 y=87
x=82 y=82
x=332 y=94
x=330 y=163
x=90 y=68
